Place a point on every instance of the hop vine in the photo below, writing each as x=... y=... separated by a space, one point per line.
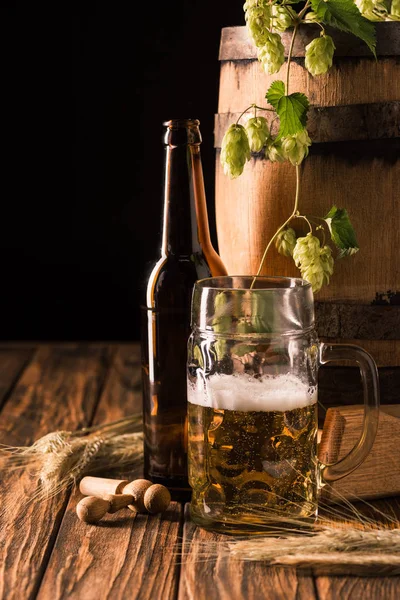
x=282 y=134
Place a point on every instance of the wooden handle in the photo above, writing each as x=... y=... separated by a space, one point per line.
x=100 y=486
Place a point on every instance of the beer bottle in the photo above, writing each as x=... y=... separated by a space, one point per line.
x=186 y=255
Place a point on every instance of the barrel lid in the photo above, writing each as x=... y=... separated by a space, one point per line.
x=235 y=43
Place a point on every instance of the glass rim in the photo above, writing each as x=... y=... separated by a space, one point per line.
x=290 y=283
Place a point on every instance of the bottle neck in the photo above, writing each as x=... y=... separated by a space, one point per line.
x=185 y=222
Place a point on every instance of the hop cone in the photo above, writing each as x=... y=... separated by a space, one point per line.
x=274 y=152
x=373 y=10
x=312 y=17
x=281 y=18
x=395 y=10
x=257 y=133
x=285 y=241
x=235 y=150
x=315 y=263
x=258 y=20
x=295 y=147
x=272 y=54
x=319 y=55
x=327 y=262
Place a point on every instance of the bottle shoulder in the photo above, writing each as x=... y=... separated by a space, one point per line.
x=173 y=277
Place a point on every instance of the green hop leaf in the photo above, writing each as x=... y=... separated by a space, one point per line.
x=235 y=150
x=275 y=92
x=274 y=152
x=345 y=15
x=291 y=110
x=319 y=55
x=295 y=147
x=272 y=54
x=257 y=132
x=373 y=10
x=285 y=241
x=342 y=232
x=292 y=113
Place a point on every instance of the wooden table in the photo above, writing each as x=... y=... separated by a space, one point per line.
x=47 y=553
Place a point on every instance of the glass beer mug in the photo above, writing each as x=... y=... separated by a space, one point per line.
x=252 y=379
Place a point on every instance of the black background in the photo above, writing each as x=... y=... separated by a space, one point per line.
x=83 y=157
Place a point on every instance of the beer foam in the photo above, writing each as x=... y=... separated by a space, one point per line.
x=244 y=393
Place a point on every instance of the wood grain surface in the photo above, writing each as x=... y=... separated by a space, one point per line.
x=12 y=363
x=146 y=544
x=235 y=42
x=47 y=553
x=58 y=390
x=386 y=513
x=379 y=475
x=338 y=171
x=207 y=574
x=335 y=123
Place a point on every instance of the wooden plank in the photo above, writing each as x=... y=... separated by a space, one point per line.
x=244 y=82
x=122 y=394
x=386 y=353
x=349 y=588
x=342 y=429
x=387 y=514
x=124 y=555
x=377 y=120
x=59 y=390
x=358 y=321
x=235 y=43
x=204 y=574
x=12 y=363
x=340 y=386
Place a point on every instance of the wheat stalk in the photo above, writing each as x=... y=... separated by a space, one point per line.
x=59 y=459
x=361 y=545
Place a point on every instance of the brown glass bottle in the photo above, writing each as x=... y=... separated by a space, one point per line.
x=186 y=255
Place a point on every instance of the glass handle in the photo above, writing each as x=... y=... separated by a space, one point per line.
x=370 y=383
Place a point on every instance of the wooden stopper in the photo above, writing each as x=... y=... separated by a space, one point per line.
x=100 y=486
x=157 y=498
x=137 y=489
x=91 y=509
x=118 y=501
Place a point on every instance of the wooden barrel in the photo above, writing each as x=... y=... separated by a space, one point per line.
x=354 y=163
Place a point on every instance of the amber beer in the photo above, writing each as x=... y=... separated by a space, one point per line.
x=252 y=447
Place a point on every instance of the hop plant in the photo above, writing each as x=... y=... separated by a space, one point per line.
x=257 y=132
x=312 y=17
x=327 y=262
x=373 y=10
x=319 y=55
x=295 y=147
x=258 y=20
x=281 y=18
x=315 y=263
x=274 y=152
x=285 y=241
x=272 y=54
x=395 y=10
x=235 y=150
